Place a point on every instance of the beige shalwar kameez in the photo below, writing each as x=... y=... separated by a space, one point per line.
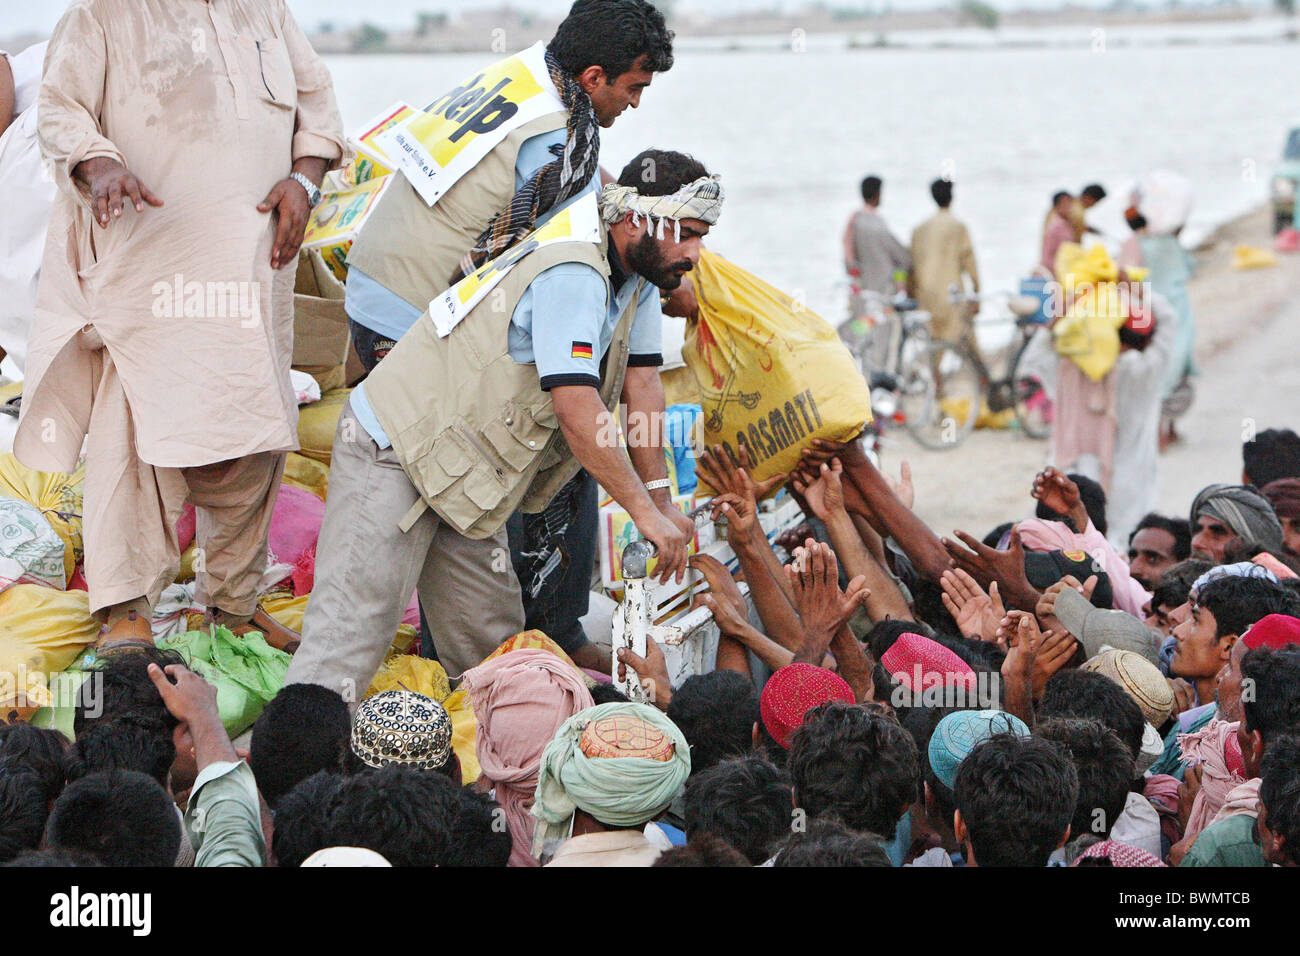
x=167 y=336
x=942 y=257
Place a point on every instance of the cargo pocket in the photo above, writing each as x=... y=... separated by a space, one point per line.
x=519 y=436
x=447 y=459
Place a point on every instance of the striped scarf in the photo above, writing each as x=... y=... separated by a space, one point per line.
x=575 y=164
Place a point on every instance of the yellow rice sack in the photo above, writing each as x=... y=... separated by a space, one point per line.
x=41 y=632
x=57 y=497
x=307 y=474
x=773 y=375
x=318 y=422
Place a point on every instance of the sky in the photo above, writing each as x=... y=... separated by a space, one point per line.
x=21 y=16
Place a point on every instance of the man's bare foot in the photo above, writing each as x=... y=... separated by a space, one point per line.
x=594 y=657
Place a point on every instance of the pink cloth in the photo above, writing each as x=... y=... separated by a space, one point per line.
x=295 y=523
x=1086 y=423
x=1244 y=798
x=520 y=700
x=1039 y=535
x=1209 y=748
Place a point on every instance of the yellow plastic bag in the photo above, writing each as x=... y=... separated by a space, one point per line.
x=772 y=374
x=307 y=474
x=41 y=632
x=427 y=677
x=57 y=497
x=1252 y=257
x=318 y=422
x=1088 y=333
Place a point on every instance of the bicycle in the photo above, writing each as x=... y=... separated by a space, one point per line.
x=938 y=388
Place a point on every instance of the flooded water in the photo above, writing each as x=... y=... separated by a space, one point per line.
x=793 y=133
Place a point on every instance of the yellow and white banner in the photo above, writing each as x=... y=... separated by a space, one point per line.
x=578 y=222
x=435 y=147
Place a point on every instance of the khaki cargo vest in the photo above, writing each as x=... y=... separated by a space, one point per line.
x=411 y=248
x=472 y=428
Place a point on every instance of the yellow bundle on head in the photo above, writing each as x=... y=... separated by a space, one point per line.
x=773 y=375
x=1088 y=333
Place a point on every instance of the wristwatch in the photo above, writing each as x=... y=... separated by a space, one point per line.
x=313 y=191
x=657 y=484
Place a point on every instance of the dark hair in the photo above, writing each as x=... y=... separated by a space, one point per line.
x=123 y=817
x=745 y=801
x=1243 y=549
x=1016 y=796
x=1136 y=221
x=884 y=633
x=716 y=713
x=920 y=721
x=406 y=816
x=1175 y=585
x=1274 y=707
x=1094 y=191
x=1238 y=602
x=855 y=763
x=129 y=742
x=660 y=172
x=54 y=858
x=827 y=842
x=941 y=190
x=302 y=819
x=1135 y=339
x=479 y=834
x=122 y=685
x=1104 y=768
x=1279 y=792
x=603 y=693
x=1076 y=693
x=871 y=189
x=1177 y=528
x=1093 y=498
x=1274 y=454
x=704 y=850
x=24 y=748
x=22 y=813
x=305 y=728
x=1059 y=195
x=613 y=35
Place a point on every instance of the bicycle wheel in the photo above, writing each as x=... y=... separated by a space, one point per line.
x=1033 y=406
x=940 y=395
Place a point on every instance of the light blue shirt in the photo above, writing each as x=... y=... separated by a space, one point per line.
x=371 y=304
x=564 y=324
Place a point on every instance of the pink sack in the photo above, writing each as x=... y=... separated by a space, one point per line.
x=295 y=523
x=186 y=526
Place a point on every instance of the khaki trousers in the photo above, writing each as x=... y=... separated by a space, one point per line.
x=367 y=567
x=131 y=509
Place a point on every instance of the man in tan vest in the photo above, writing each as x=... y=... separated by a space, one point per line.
x=600 y=60
x=505 y=386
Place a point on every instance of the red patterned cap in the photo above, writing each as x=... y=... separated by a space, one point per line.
x=912 y=655
x=793 y=691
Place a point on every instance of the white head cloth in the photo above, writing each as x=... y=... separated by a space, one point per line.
x=701 y=199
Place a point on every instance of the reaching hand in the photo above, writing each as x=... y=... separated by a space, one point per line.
x=822 y=606
x=721 y=584
x=976 y=612
x=903 y=488
x=741 y=514
x=1045 y=610
x=987 y=565
x=652 y=670
x=725 y=475
x=1055 y=651
x=1055 y=490
x=825 y=495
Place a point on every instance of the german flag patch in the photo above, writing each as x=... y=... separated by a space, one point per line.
x=581 y=350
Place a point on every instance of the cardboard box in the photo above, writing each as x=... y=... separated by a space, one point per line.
x=320 y=325
x=335 y=222
x=618 y=530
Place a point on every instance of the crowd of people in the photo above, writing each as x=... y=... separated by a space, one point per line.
x=1055 y=693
